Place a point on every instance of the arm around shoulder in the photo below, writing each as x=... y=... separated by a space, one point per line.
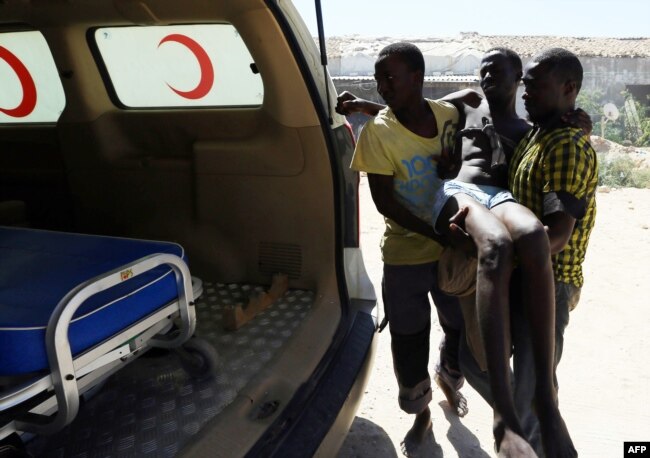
x=465 y=96
x=348 y=103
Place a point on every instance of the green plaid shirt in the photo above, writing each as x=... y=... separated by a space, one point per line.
x=558 y=161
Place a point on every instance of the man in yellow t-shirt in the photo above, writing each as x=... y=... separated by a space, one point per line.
x=399 y=149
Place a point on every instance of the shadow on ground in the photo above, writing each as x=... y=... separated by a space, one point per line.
x=367 y=439
x=462 y=439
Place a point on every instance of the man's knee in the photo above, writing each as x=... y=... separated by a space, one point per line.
x=532 y=244
x=495 y=252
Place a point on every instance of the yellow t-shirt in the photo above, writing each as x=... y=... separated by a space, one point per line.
x=386 y=147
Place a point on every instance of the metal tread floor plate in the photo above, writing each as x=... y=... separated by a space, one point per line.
x=152 y=406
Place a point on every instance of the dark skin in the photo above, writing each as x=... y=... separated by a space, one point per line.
x=499 y=83
x=546 y=99
x=547 y=96
x=497 y=232
x=499 y=106
x=401 y=87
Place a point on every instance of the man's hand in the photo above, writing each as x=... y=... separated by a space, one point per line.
x=347 y=103
x=580 y=119
x=448 y=163
x=458 y=237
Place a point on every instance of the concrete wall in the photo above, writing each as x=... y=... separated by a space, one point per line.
x=362 y=64
x=608 y=74
x=611 y=75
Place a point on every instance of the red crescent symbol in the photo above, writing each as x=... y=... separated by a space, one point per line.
x=207 y=72
x=27 y=105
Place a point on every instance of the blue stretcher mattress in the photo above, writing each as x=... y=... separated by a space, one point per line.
x=38 y=268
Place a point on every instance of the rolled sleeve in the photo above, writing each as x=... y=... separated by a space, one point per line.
x=564 y=202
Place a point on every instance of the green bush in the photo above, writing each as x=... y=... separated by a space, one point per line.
x=642 y=178
x=635 y=129
x=621 y=172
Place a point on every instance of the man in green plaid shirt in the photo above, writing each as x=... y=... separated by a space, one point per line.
x=554 y=172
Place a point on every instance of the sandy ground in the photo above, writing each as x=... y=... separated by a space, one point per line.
x=605 y=370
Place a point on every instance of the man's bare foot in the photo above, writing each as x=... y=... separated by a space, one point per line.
x=512 y=445
x=555 y=435
x=412 y=443
x=454 y=397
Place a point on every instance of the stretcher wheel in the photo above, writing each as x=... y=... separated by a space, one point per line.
x=199 y=358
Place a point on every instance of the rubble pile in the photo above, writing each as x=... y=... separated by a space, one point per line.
x=640 y=155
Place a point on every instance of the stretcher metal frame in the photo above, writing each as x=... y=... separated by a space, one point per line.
x=70 y=376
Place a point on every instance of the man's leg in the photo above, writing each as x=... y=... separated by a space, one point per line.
x=448 y=375
x=406 y=304
x=538 y=299
x=523 y=366
x=566 y=298
x=495 y=263
x=524 y=377
x=475 y=376
x=471 y=355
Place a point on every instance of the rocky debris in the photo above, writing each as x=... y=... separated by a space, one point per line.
x=640 y=155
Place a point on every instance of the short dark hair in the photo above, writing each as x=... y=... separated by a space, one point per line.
x=563 y=63
x=512 y=56
x=410 y=53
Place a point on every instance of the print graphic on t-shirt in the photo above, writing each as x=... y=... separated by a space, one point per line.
x=416 y=191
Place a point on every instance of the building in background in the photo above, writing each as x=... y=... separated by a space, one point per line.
x=613 y=67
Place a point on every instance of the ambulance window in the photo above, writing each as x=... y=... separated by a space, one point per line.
x=179 y=66
x=30 y=87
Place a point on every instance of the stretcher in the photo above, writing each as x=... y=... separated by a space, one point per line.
x=74 y=309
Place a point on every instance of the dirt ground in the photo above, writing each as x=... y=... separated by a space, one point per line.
x=604 y=375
